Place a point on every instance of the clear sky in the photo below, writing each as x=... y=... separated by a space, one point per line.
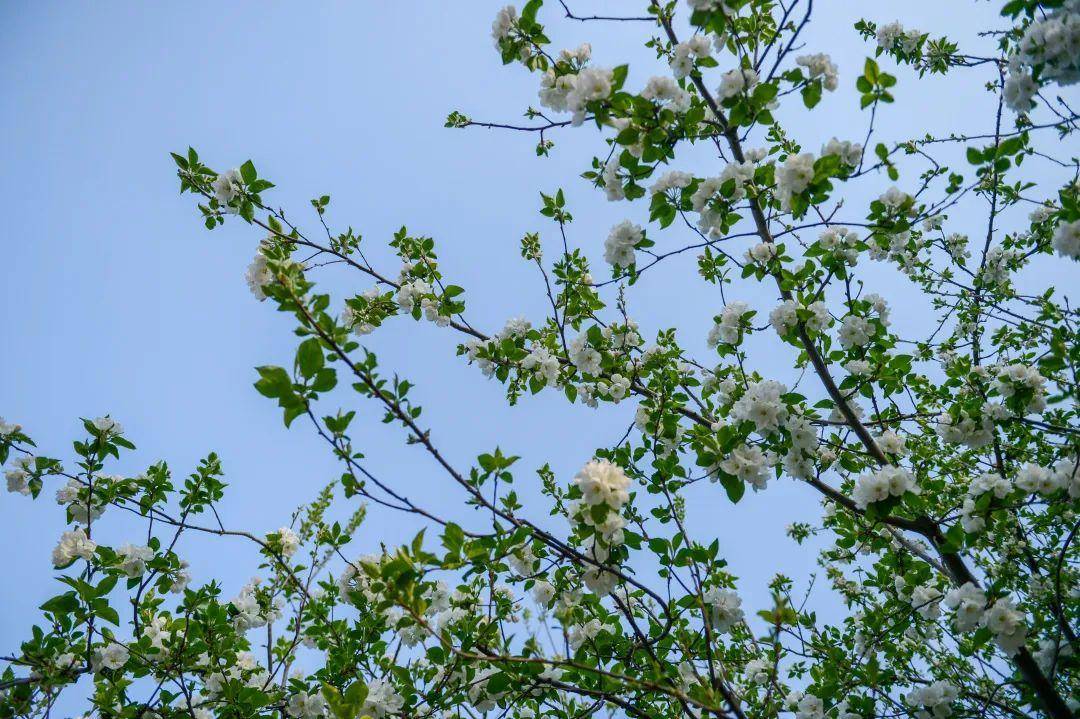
x=116 y=300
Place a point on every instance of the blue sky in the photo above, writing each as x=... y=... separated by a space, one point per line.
x=116 y=300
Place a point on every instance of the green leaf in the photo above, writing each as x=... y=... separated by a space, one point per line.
x=309 y=357
x=870 y=70
x=247 y=171
x=618 y=77
x=734 y=487
x=61 y=604
x=274 y=382
x=528 y=13
x=325 y=380
x=103 y=610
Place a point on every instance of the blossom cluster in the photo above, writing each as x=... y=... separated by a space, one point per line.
x=1048 y=51
x=604 y=489
x=972 y=609
x=889 y=481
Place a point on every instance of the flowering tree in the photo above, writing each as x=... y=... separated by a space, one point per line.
x=946 y=462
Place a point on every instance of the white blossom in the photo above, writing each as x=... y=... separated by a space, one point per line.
x=504 y=21
x=1033 y=478
x=107 y=425
x=18 y=481
x=258 y=276
x=227 y=185
x=409 y=293
x=620 y=242
x=1012 y=377
x=935 y=698
x=893 y=35
x=662 y=90
x=671 y=180
x=757 y=671
x=581 y=633
x=133 y=559
x=748 y=463
x=603 y=482
x=887 y=482
x=543 y=592
x=684 y=54
x=1051 y=44
x=110 y=656
x=820 y=65
x=968 y=603
x=926 y=600
x=728 y=328
x=724 y=608
x=762 y=404
x=306 y=706
x=1067 y=475
x=761 y=253
x=855 y=331
x=543 y=363
x=1067 y=239
x=382 y=699
x=613 y=187
x=793 y=177
x=1007 y=624
x=737 y=81
x=850 y=153
x=289 y=540
x=784 y=317
x=974 y=433
x=74 y=544
x=809 y=706
x=583 y=356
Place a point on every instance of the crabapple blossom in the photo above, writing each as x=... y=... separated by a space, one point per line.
x=382 y=699
x=288 y=540
x=684 y=54
x=926 y=600
x=724 y=608
x=793 y=177
x=503 y=23
x=602 y=482
x=665 y=90
x=74 y=544
x=968 y=603
x=133 y=559
x=258 y=276
x=227 y=185
x=728 y=327
x=613 y=186
x=880 y=485
x=1067 y=239
x=620 y=243
x=736 y=82
x=749 y=464
x=893 y=35
x=935 y=698
x=762 y=404
x=306 y=706
x=850 y=153
x=1007 y=625
x=113 y=655
x=820 y=65
x=761 y=253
